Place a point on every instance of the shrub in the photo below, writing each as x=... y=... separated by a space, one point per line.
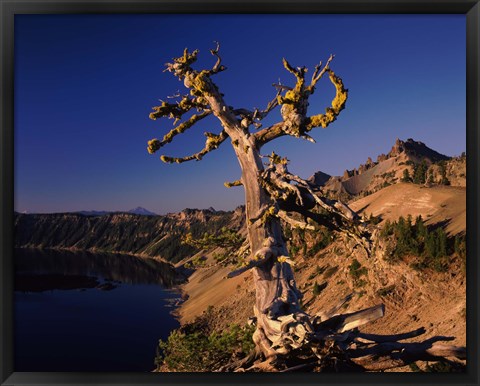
x=316 y=289
x=416 y=239
x=294 y=250
x=356 y=271
x=443 y=173
x=386 y=290
x=323 y=240
x=198 y=352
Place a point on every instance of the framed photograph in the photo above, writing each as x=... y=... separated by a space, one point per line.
x=221 y=193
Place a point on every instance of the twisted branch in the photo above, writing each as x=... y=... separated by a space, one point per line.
x=213 y=142
x=295 y=102
x=338 y=104
x=233 y=183
x=318 y=73
x=217 y=66
x=154 y=145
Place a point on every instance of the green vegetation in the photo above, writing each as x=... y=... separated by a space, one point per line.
x=155 y=236
x=420 y=172
x=439 y=367
x=198 y=352
x=356 y=272
x=199 y=261
x=197 y=347
x=299 y=239
x=443 y=173
x=460 y=248
x=406 y=176
x=386 y=290
x=406 y=238
x=323 y=239
x=316 y=289
x=226 y=238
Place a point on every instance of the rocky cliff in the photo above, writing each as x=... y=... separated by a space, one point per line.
x=152 y=236
x=404 y=157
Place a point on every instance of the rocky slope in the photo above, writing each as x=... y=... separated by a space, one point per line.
x=444 y=205
x=389 y=169
x=413 y=297
x=152 y=236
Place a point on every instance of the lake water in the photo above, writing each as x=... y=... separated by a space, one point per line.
x=90 y=312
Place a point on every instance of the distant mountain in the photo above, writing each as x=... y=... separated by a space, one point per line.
x=139 y=211
x=319 y=178
x=142 y=211
x=389 y=169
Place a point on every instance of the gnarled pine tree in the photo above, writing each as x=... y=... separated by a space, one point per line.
x=271 y=192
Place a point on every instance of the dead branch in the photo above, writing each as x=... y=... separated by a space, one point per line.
x=299 y=72
x=233 y=183
x=213 y=142
x=332 y=311
x=181 y=65
x=318 y=73
x=337 y=105
x=393 y=354
x=180 y=129
x=295 y=102
x=389 y=338
x=294 y=223
x=336 y=345
x=217 y=66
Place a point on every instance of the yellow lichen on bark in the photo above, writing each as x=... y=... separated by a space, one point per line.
x=338 y=104
x=153 y=145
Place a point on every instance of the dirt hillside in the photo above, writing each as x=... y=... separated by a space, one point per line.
x=413 y=298
x=436 y=204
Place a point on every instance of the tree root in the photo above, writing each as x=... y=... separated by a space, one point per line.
x=335 y=344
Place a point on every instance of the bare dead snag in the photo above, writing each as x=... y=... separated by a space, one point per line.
x=284 y=332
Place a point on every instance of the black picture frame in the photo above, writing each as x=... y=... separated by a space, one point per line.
x=10 y=8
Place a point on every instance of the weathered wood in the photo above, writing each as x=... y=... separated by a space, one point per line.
x=393 y=354
x=390 y=338
x=342 y=323
x=281 y=325
x=303 y=366
x=324 y=315
x=294 y=223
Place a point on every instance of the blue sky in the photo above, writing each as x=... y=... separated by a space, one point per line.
x=85 y=84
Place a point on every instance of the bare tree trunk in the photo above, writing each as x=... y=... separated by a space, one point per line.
x=276 y=307
x=281 y=324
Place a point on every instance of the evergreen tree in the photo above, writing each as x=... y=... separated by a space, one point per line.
x=420 y=171
x=420 y=229
x=430 y=246
x=441 y=237
x=443 y=173
x=406 y=176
